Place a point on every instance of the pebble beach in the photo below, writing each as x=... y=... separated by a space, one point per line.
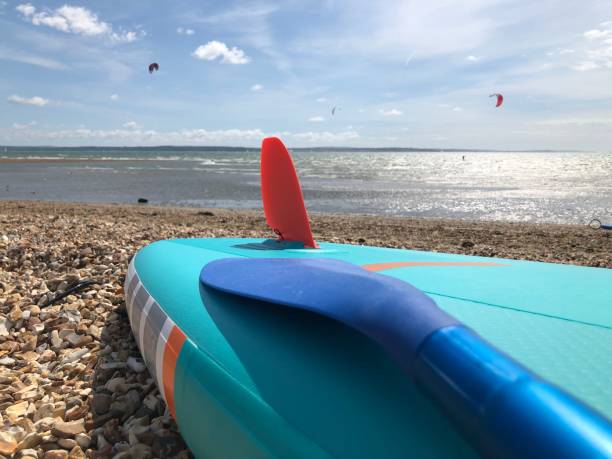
x=72 y=381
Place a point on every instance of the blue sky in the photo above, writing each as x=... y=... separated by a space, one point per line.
x=402 y=73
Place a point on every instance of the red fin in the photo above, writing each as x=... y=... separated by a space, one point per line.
x=282 y=195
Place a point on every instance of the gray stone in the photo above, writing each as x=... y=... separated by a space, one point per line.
x=116 y=385
x=141 y=451
x=101 y=403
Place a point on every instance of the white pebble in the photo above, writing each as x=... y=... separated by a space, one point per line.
x=136 y=364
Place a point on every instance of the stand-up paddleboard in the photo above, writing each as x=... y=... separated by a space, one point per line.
x=269 y=348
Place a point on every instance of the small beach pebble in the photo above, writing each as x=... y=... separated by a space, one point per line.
x=55 y=339
x=5 y=326
x=16 y=411
x=63 y=429
x=7 y=361
x=31 y=440
x=77 y=453
x=8 y=443
x=27 y=453
x=67 y=443
x=101 y=403
x=136 y=364
x=56 y=454
x=83 y=440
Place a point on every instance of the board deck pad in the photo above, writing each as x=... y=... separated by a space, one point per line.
x=555 y=319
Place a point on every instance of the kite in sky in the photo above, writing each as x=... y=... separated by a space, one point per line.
x=500 y=99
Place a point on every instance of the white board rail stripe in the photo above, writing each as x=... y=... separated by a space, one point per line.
x=159 y=354
x=143 y=322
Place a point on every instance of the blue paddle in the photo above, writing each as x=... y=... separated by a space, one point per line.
x=501 y=407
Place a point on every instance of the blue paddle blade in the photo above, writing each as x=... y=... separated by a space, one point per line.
x=392 y=312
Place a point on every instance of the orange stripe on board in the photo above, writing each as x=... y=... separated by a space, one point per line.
x=171 y=353
x=403 y=264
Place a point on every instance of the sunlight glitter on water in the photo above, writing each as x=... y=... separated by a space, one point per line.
x=540 y=187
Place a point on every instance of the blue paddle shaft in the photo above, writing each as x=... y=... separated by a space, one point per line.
x=503 y=408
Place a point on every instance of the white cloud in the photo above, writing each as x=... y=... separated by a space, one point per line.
x=221 y=135
x=472 y=58
x=238 y=14
x=596 y=33
x=76 y=20
x=131 y=125
x=24 y=126
x=214 y=49
x=36 y=100
x=561 y=52
x=20 y=56
x=321 y=99
x=326 y=137
x=390 y=112
x=457 y=109
x=140 y=136
x=114 y=97
x=573 y=121
x=127 y=36
x=257 y=87
x=316 y=119
x=598 y=54
x=184 y=31
x=26 y=9
x=585 y=66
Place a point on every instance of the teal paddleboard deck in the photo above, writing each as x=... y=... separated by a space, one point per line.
x=245 y=378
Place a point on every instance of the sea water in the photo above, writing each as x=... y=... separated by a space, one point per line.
x=556 y=187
